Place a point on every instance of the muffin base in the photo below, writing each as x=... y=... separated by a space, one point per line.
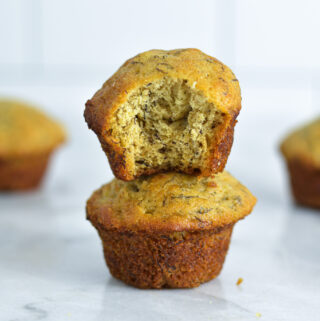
x=23 y=173
x=305 y=183
x=166 y=259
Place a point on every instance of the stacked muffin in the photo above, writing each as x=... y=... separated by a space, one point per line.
x=165 y=120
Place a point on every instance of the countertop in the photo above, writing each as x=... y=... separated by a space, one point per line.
x=51 y=262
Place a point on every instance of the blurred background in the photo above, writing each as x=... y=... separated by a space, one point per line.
x=58 y=53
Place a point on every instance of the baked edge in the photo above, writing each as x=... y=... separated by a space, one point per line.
x=165 y=260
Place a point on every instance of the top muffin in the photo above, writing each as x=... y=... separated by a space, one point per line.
x=166 y=111
x=25 y=131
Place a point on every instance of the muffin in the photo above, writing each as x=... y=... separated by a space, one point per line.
x=170 y=229
x=166 y=111
x=27 y=139
x=301 y=150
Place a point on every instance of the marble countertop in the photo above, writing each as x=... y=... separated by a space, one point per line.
x=52 y=269
x=51 y=262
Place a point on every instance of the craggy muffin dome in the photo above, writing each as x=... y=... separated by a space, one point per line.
x=26 y=131
x=170 y=202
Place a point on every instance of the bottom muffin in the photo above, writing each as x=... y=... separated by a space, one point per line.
x=168 y=230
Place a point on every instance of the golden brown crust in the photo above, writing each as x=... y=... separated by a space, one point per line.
x=208 y=75
x=165 y=260
x=22 y=173
x=305 y=182
x=170 y=202
x=221 y=152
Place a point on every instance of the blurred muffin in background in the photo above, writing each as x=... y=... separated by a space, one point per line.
x=27 y=139
x=301 y=150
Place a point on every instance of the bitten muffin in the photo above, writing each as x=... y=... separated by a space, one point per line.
x=168 y=230
x=166 y=111
x=301 y=150
x=27 y=139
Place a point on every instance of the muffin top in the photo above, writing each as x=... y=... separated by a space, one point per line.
x=304 y=144
x=170 y=202
x=26 y=131
x=205 y=73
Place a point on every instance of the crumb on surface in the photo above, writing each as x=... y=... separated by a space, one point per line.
x=258 y=315
x=240 y=280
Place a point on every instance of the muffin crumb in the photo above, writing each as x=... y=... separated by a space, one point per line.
x=240 y=280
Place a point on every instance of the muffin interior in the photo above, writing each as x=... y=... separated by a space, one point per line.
x=167 y=124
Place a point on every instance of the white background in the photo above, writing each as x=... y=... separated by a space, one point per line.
x=58 y=53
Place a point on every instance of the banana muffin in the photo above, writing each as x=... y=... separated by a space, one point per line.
x=170 y=229
x=27 y=139
x=301 y=150
x=166 y=111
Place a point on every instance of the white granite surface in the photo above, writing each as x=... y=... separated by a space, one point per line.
x=51 y=263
